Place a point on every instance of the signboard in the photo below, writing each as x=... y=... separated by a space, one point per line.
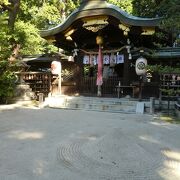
x=86 y=59
x=111 y=59
x=120 y=59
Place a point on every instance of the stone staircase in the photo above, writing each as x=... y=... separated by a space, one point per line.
x=125 y=105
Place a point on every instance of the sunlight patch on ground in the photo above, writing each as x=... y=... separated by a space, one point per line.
x=161 y=124
x=149 y=139
x=22 y=135
x=171 y=165
x=9 y=107
x=172 y=155
x=167 y=118
x=156 y=123
x=54 y=101
x=30 y=105
x=92 y=138
x=39 y=167
x=171 y=168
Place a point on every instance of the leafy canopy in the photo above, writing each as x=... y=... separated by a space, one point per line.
x=125 y=5
x=169 y=9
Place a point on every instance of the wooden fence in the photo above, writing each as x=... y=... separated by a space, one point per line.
x=88 y=86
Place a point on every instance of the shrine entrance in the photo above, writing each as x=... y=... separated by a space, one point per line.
x=112 y=72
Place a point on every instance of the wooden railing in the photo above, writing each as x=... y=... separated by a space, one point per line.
x=39 y=82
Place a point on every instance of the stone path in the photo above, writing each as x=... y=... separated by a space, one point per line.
x=44 y=144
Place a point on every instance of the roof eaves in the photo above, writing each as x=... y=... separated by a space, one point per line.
x=101 y=9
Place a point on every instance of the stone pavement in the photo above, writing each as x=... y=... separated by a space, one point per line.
x=55 y=144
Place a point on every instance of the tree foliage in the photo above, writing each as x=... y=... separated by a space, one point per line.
x=170 y=14
x=20 y=21
x=19 y=36
x=168 y=9
x=46 y=14
x=125 y=5
x=145 y=8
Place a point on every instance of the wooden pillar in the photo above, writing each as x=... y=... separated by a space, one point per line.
x=79 y=71
x=126 y=73
x=79 y=62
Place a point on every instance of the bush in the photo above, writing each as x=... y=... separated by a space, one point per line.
x=7 y=82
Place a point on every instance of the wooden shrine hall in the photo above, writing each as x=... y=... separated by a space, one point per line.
x=103 y=43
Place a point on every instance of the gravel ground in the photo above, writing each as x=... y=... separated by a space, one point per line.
x=54 y=144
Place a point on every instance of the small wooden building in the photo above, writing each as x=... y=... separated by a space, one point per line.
x=98 y=28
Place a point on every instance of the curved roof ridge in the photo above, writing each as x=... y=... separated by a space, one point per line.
x=103 y=8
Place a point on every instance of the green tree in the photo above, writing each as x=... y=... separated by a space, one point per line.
x=18 y=36
x=145 y=8
x=168 y=10
x=47 y=13
x=125 y=5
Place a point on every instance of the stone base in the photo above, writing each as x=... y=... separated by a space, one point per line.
x=24 y=92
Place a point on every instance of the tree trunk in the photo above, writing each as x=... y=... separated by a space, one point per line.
x=13 y=11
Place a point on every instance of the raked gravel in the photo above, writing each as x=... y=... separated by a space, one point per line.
x=55 y=144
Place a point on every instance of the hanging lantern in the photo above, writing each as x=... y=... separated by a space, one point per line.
x=140 y=66
x=55 y=67
x=99 y=40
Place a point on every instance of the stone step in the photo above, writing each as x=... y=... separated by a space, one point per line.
x=92 y=103
x=99 y=107
x=127 y=105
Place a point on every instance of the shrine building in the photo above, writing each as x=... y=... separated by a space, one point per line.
x=102 y=44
